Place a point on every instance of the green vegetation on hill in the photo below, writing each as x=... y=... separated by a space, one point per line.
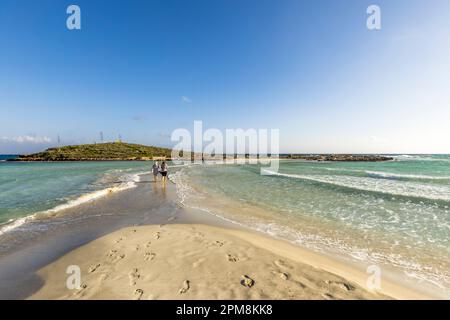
x=98 y=152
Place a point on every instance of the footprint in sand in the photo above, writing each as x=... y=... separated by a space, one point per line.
x=347 y=286
x=137 y=247
x=112 y=253
x=282 y=275
x=231 y=258
x=149 y=256
x=120 y=239
x=138 y=294
x=185 y=287
x=157 y=235
x=134 y=276
x=148 y=244
x=343 y=285
x=218 y=243
x=328 y=296
x=246 y=281
x=94 y=267
x=81 y=292
x=114 y=256
x=199 y=235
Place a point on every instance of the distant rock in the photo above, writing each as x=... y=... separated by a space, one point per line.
x=338 y=157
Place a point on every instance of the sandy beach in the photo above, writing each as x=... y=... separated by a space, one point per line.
x=193 y=262
x=147 y=246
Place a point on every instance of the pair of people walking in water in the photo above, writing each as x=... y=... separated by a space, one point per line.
x=163 y=170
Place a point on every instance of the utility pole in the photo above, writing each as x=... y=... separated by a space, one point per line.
x=58 y=139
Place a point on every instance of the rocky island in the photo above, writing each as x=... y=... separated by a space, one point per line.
x=113 y=151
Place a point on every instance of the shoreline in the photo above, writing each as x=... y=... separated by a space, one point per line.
x=40 y=242
x=276 y=247
x=83 y=198
x=186 y=217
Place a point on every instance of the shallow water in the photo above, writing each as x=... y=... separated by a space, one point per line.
x=394 y=214
x=33 y=245
x=28 y=188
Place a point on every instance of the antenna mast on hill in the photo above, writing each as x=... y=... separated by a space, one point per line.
x=101 y=136
x=58 y=139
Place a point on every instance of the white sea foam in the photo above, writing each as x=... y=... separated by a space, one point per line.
x=407 y=176
x=182 y=188
x=320 y=242
x=407 y=157
x=408 y=189
x=383 y=174
x=343 y=169
x=128 y=181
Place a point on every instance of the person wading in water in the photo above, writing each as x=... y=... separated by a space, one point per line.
x=155 y=171
x=164 y=171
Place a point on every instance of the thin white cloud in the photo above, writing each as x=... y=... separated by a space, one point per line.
x=27 y=139
x=186 y=99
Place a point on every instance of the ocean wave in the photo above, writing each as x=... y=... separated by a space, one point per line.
x=128 y=182
x=407 y=176
x=408 y=157
x=391 y=187
x=316 y=242
x=343 y=169
x=383 y=174
x=182 y=188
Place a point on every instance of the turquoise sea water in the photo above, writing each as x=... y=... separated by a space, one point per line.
x=394 y=213
x=29 y=188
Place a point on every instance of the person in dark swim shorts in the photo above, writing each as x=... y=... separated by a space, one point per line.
x=164 y=171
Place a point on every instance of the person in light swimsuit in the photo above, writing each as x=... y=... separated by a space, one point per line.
x=155 y=171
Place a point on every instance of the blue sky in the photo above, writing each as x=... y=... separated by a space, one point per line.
x=309 y=68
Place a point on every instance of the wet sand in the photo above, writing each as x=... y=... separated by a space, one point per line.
x=38 y=243
x=141 y=244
